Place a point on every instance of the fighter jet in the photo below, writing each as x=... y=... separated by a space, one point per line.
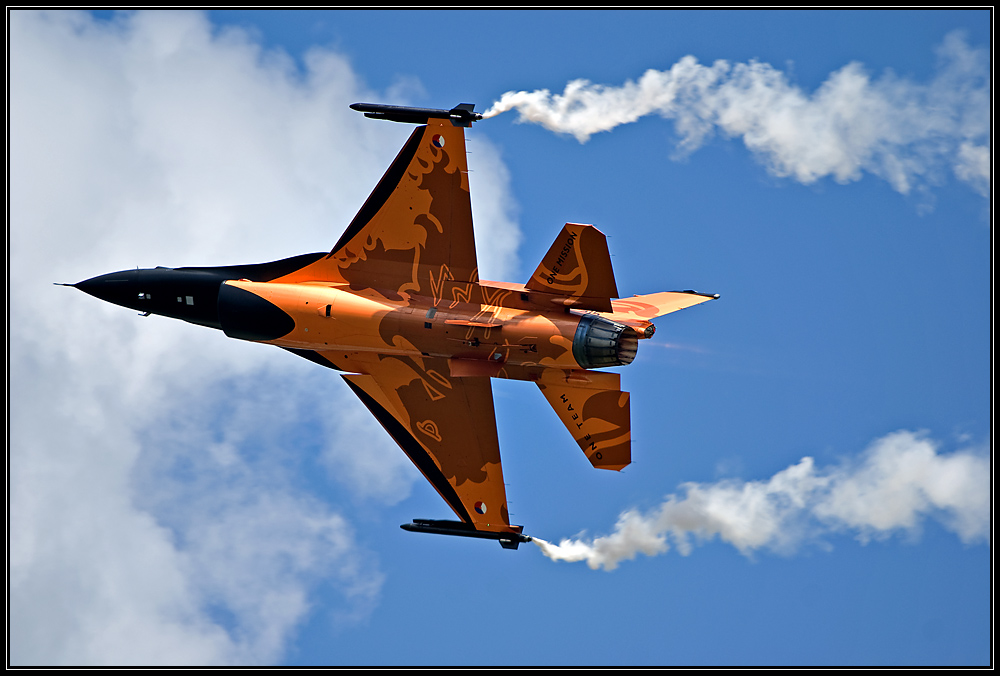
x=398 y=307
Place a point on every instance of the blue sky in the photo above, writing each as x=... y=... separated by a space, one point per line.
x=176 y=496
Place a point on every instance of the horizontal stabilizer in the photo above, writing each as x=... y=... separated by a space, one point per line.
x=577 y=270
x=598 y=418
x=508 y=540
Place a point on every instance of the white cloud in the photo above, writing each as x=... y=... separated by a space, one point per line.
x=904 y=132
x=155 y=514
x=494 y=211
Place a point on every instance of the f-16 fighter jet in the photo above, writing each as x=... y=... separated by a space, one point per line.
x=397 y=306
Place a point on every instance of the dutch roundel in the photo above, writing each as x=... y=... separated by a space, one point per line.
x=481 y=507
x=438 y=141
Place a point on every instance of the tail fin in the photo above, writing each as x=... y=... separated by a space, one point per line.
x=653 y=305
x=577 y=270
x=596 y=412
x=637 y=311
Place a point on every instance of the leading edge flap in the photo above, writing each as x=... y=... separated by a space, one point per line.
x=598 y=419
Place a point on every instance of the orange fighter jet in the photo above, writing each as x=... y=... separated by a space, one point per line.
x=398 y=306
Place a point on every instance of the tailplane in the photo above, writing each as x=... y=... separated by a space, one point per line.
x=596 y=412
x=577 y=270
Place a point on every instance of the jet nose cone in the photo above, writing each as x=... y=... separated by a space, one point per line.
x=191 y=295
x=116 y=287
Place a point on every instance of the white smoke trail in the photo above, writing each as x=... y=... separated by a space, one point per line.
x=897 y=482
x=902 y=131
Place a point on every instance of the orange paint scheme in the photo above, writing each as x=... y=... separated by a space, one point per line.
x=398 y=305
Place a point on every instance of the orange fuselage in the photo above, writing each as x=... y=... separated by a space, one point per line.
x=330 y=318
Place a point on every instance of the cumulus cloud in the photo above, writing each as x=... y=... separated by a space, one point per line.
x=905 y=132
x=897 y=483
x=155 y=514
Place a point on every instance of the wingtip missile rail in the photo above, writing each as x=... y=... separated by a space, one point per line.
x=507 y=539
x=462 y=115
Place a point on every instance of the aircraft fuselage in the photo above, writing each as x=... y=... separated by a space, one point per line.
x=506 y=338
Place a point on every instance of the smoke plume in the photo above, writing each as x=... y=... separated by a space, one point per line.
x=905 y=132
x=900 y=480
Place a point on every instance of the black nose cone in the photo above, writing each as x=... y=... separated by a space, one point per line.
x=191 y=295
x=120 y=288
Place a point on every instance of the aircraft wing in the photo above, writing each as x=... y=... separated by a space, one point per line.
x=447 y=427
x=414 y=233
